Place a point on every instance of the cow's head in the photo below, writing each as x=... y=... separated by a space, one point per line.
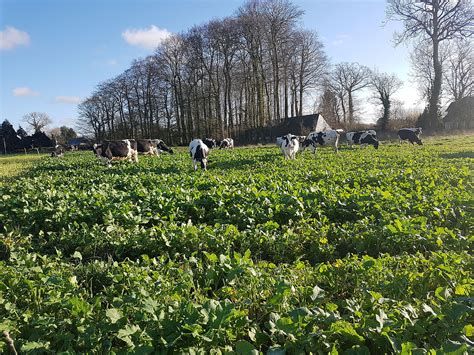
x=162 y=146
x=290 y=140
x=97 y=149
x=307 y=142
x=210 y=142
x=418 y=131
x=370 y=139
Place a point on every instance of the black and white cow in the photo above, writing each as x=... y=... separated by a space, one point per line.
x=210 y=142
x=199 y=152
x=58 y=151
x=162 y=147
x=117 y=150
x=226 y=143
x=410 y=134
x=363 y=138
x=323 y=138
x=289 y=146
x=301 y=139
x=152 y=147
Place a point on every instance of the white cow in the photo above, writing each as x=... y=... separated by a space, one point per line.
x=199 y=152
x=290 y=146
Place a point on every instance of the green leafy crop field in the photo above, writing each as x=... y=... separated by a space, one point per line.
x=366 y=251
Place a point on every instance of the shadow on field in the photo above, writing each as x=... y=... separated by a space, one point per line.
x=45 y=169
x=239 y=162
x=231 y=164
x=467 y=154
x=131 y=169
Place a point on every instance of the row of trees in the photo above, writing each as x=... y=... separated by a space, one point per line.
x=259 y=67
x=221 y=78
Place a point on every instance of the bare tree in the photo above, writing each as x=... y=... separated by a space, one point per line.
x=350 y=77
x=220 y=78
x=37 y=120
x=435 y=21
x=459 y=70
x=384 y=86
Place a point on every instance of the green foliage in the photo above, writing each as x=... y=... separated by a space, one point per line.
x=362 y=252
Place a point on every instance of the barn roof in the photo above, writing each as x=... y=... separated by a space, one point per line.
x=77 y=141
x=460 y=109
x=301 y=125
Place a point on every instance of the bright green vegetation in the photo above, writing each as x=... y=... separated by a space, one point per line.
x=364 y=251
x=12 y=165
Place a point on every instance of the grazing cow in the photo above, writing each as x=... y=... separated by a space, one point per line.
x=410 y=134
x=328 y=137
x=301 y=139
x=117 y=150
x=226 y=143
x=289 y=146
x=363 y=138
x=58 y=151
x=162 y=147
x=97 y=149
x=152 y=147
x=199 y=152
x=210 y=142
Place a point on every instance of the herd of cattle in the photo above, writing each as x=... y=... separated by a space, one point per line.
x=128 y=149
x=291 y=144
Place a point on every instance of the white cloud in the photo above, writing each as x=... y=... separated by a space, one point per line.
x=12 y=37
x=24 y=91
x=146 y=38
x=68 y=99
x=112 y=62
x=340 y=39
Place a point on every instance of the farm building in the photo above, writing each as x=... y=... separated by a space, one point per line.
x=298 y=125
x=79 y=143
x=460 y=114
x=301 y=125
x=37 y=140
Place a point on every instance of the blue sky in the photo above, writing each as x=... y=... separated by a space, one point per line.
x=54 y=52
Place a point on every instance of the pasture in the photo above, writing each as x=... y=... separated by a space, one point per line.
x=361 y=251
x=15 y=164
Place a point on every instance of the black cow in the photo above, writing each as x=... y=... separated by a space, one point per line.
x=410 y=134
x=117 y=150
x=58 y=151
x=363 y=138
x=210 y=142
x=152 y=147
